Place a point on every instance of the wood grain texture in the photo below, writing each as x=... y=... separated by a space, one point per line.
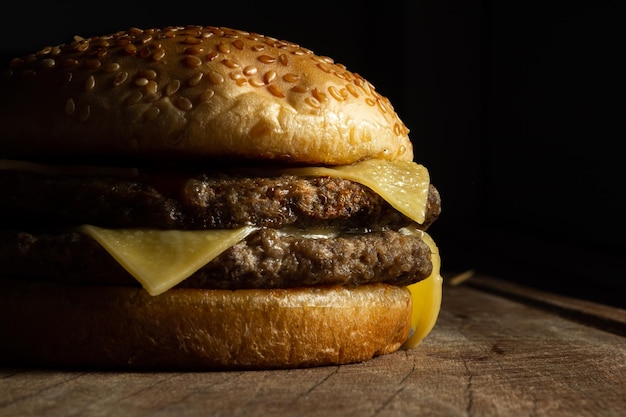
x=489 y=355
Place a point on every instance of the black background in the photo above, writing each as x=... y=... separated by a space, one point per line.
x=516 y=107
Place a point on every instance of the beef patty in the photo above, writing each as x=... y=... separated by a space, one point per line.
x=196 y=202
x=266 y=259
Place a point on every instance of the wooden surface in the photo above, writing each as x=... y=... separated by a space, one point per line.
x=497 y=350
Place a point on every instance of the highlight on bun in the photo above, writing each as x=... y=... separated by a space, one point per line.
x=196 y=90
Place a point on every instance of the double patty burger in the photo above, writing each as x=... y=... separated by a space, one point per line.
x=207 y=198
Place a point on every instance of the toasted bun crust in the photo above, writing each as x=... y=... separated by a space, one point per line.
x=193 y=91
x=122 y=327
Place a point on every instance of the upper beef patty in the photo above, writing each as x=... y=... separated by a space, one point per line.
x=187 y=202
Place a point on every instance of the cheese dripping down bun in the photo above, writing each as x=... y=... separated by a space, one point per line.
x=143 y=104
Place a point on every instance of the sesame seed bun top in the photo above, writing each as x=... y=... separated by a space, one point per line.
x=194 y=91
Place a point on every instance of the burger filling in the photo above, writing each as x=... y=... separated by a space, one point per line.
x=289 y=230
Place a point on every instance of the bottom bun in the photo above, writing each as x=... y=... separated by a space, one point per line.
x=45 y=324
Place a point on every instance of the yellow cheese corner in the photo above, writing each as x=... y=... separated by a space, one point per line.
x=403 y=184
x=161 y=259
x=425 y=295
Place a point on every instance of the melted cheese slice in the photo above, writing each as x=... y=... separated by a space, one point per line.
x=403 y=184
x=161 y=259
x=425 y=294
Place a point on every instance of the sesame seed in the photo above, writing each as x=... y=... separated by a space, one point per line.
x=70 y=62
x=192 y=61
x=217 y=31
x=194 y=50
x=382 y=106
x=82 y=47
x=266 y=59
x=120 y=77
x=152 y=113
x=195 y=80
x=352 y=90
x=318 y=95
x=323 y=67
x=103 y=43
x=325 y=59
x=255 y=82
x=134 y=98
x=48 y=63
x=183 y=103
x=276 y=91
x=207 y=95
x=215 y=77
x=159 y=54
x=111 y=67
x=230 y=63
x=149 y=74
x=291 y=78
x=93 y=64
x=269 y=76
x=90 y=83
x=237 y=43
x=335 y=93
x=152 y=87
x=144 y=39
x=130 y=49
x=141 y=82
x=191 y=40
x=211 y=56
x=249 y=70
x=172 y=87
x=70 y=107
x=299 y=89
x=313 y=102
x=102 y=52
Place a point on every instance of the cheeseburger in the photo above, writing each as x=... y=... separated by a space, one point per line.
x=207 y=198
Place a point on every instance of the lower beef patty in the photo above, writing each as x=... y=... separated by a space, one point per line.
x=266 y=259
